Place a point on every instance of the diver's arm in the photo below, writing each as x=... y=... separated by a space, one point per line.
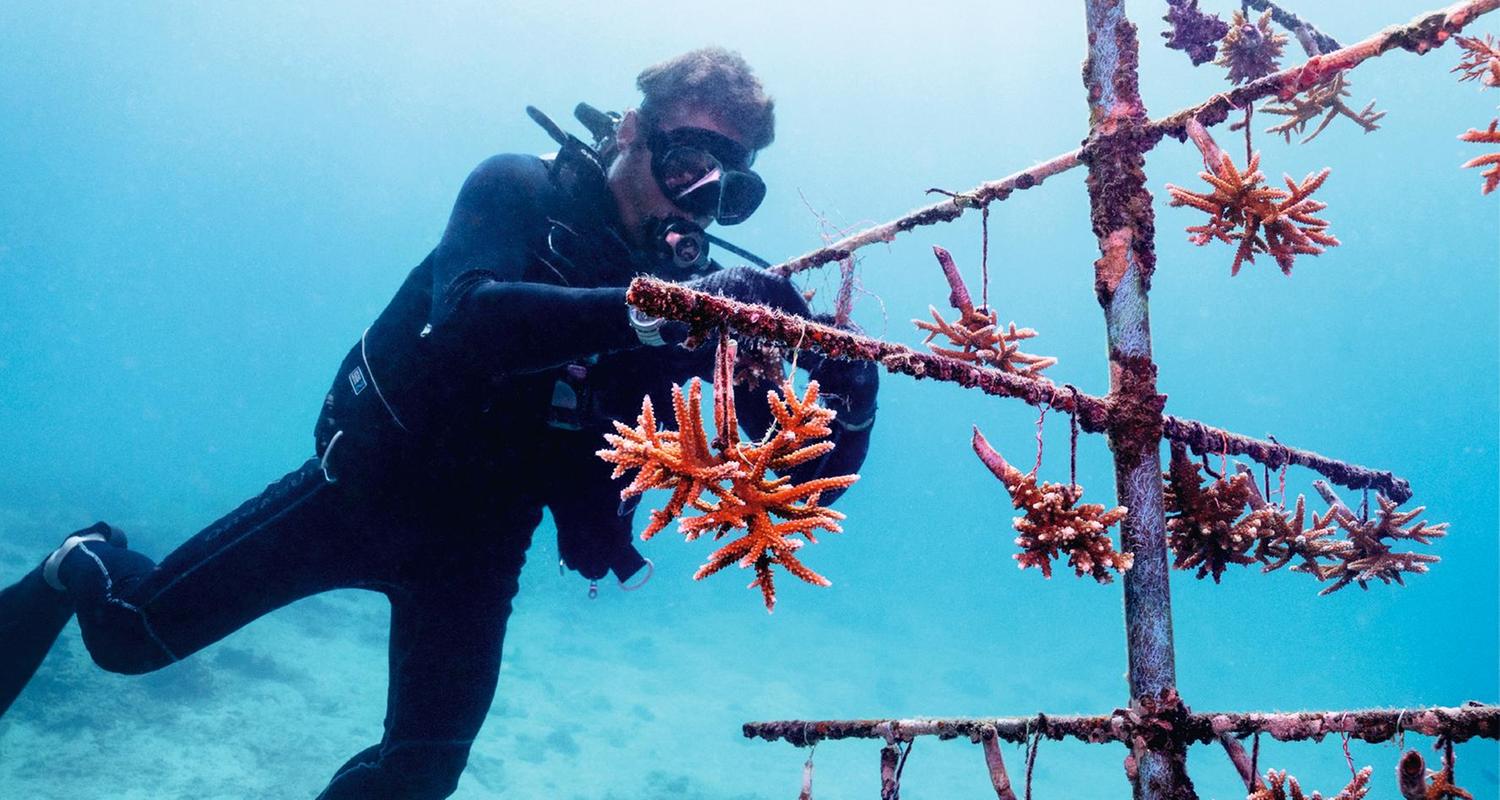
x=508 y=328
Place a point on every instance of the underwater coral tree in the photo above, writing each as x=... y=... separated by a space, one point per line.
x=1175 y=517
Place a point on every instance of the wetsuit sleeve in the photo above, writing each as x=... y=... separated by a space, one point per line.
x=483 y=311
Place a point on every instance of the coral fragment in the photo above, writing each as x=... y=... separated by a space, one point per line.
x=736 y=475
x=1262 y=219
x=1053 y=523
x=1491 y=160
x=976 y=337
x=1326 y=100
x=1250 y=50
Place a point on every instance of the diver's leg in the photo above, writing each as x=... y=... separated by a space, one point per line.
x=295 y=539
x=33 y=612
x=447 y=629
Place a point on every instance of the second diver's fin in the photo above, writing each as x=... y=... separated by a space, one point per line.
x=32 y=614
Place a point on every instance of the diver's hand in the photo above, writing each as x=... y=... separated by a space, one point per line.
x=745 y=284
x=847 y=387
x=753 y=285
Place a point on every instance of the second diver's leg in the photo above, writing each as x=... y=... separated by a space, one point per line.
x=295 y=539
x=447 y=629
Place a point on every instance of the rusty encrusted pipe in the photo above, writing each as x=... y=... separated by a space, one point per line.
x=1425 y=32
x=999 y=778
x=943 y=211
x=705 y=312
x=1124 y=223
x=1242 y=762
x=1460 y=724
x=1286 y=19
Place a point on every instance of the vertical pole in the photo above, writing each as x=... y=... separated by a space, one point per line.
x=1124 y=223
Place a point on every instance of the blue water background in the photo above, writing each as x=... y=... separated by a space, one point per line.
x=203 y=205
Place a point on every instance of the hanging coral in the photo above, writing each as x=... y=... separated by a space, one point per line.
x=1205 y=528
x=1201 y=527
x=1262 y=219
x=1325 y=100
x=975 y=336
x=1250 y=50
x=736 y=475
x=1193 y=31
x=1491 y=161
x=1481 y=60
x=1280 y=786
x=1369 y=555
x=1052 y=523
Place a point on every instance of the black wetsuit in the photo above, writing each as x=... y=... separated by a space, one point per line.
x=474 y=401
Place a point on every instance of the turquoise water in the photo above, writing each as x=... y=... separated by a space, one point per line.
x=203 y=206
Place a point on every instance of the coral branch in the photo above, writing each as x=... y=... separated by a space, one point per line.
x=705 y=312
x=770 y=510
x=1280 y=786
x=1481 y=60
x=1458 y=724
x=1261 y=218
x=976 y=336
x=1491 y=160
x=1369 y=555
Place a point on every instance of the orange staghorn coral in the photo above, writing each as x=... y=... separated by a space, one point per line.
x=975 y=336
x=1280 y=786
x=1491 y=160
x=1481 y=60
x=1369 y=555
x=737 y=475
x=1052 y=523
x=1250 y=50
x=1262 y=219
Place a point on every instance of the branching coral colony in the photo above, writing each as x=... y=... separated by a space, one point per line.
x=737 y=474
x=1204 y=522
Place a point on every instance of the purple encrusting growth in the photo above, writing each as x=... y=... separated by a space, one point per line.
x=1194 y=31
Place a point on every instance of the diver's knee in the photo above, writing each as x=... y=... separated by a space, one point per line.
x=436 y=777
x=125 y=648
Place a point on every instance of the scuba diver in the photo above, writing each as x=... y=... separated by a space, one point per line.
x=474 y=401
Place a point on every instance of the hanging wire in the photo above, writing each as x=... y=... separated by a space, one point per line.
x=984 y=256
x=1349 y=757
x=1040 y=418
x=1031 y=749
x=1255 y=757
x=1073 y=439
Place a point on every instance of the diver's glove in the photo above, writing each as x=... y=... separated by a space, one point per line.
x=848 y=387
x=745 y=284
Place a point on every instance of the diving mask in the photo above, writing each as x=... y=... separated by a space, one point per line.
x=706 y=174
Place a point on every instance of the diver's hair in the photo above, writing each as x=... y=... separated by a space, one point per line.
x=713 y=79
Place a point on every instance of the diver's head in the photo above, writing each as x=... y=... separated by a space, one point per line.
x=685 y=154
